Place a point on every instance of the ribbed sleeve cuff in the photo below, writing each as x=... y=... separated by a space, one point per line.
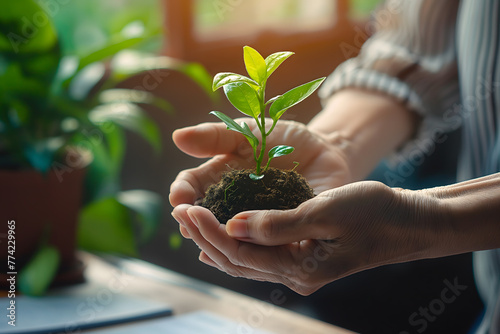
x=432 y=126
x=350 y=75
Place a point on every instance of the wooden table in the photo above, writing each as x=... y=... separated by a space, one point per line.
x=185 y=294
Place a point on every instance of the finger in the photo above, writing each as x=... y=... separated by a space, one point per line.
x=221 y=248
x=279 y=227
x=207 y=260
x=184 y=232
x=180 y=215
x=185 y=189
x=250 y=273
x=212 y=252
x=295 y=276
x=207 y=140
x=215 y=258
x=187 y=228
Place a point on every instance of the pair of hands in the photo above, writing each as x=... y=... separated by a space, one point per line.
x=347 y=228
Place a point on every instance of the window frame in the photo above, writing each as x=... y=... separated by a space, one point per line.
x=182 y=42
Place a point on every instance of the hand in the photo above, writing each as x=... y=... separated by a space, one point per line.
x=337 y=233
x=322 y=163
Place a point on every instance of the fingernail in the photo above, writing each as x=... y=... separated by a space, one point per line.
x=237 y=228
x=193 y=219
x=179 y=220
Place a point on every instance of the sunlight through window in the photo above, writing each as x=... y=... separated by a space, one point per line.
x=233 y=18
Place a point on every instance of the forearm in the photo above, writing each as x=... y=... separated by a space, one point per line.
x=366 y=125
x=474 y=210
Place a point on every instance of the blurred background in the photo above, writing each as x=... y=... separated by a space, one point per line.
x=322 y=33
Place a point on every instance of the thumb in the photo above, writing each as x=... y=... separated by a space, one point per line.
x=206 y=140
x=273 y=227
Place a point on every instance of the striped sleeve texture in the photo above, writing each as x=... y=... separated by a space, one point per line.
x=411 y=57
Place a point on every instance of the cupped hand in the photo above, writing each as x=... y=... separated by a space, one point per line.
x=337 y=233
x=322 y=163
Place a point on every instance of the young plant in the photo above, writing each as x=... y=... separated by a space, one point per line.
x=247 y=94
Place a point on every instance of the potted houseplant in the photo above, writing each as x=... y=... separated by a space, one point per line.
x=62 y=143
x=263 y=187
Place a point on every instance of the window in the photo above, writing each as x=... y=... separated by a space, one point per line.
x=242 y=18
x=205 y=30
x=201 y=29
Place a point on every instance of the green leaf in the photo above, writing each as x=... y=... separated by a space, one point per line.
x=36 y=277
x=110 y=50
x=128 y=63
x=275 y=60
x=105 y=226
x=225 y=78
x=293 y=97
x=256 y=177
x=272 y=99
x=233 y=126
x=107 y=143
x=117 y=43
x=41 y=153
x=102 y=176
x=26 y=28
x=243 y=98
x=84 y=81
x=249 y=135
x=42 y=66
x=280 y=150
x=18 y=115
x=115 y=140
x=131 y=117
x=134 y=96
x=199 y=74
x=255 y=64
x=16 y=82
x=147 y=206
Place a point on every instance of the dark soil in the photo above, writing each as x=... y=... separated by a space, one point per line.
x=236 y=192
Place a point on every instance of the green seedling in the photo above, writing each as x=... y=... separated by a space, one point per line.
x=227 y=188
x=247 y=94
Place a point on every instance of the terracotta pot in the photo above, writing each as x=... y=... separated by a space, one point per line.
x=41 y=205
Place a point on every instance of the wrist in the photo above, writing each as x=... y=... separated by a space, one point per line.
x=474 y=212
x=429 y=221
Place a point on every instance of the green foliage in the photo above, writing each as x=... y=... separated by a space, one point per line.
x=243 y=98
x=147 y=207
x=39 y=272
x=225 y=78
x=106 y=226
x=87 y=25
x=275 y=60
x=255 y=64
x=294 y=96
x=279 y=151
x=248 y=96
x=243 y=128
x=51 y=101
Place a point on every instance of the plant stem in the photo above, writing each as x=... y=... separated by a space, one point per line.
x=261 y=155
x=267 y=165
x=272 y=128
x=262 y=128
